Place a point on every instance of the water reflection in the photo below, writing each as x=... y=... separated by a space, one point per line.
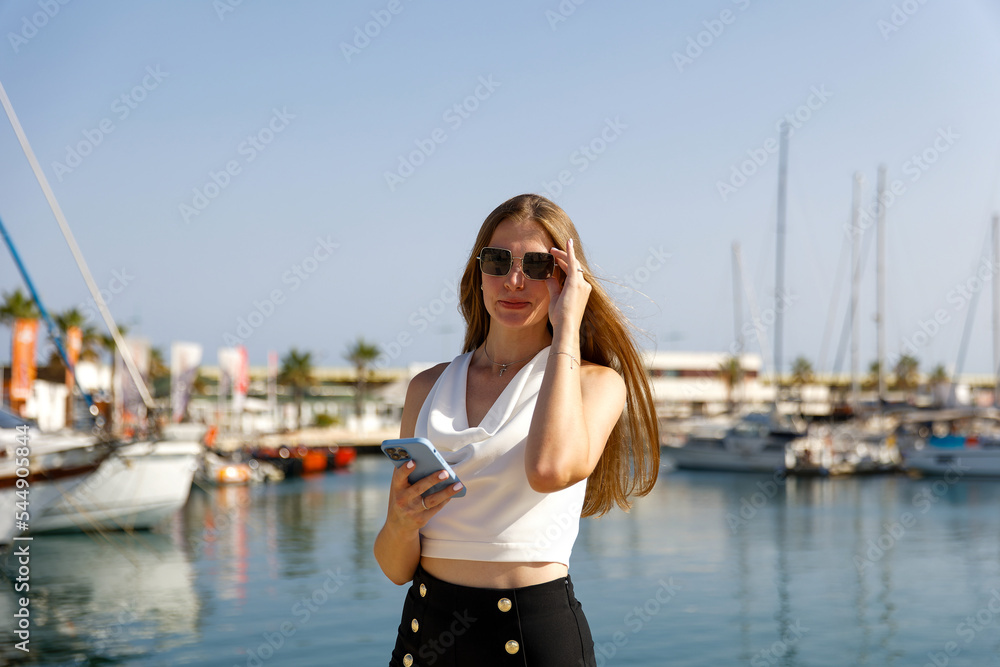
x=892 y=563
x=105 y=598
x=875 y=571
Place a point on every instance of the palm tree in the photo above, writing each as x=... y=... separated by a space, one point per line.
x=938 y=377
x=802 y=372
x=17 y=305
x=871 y=380
x=361 y=353
x=906 y=372
x=297 y=372
x=106 y=342
x=158 y=371
x=90 y=340
x=200 y=384
x=731 y=372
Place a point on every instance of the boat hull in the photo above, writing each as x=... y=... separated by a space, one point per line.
x=57 y=465
x=697 y=455
x=138 y=487
x=966 y=462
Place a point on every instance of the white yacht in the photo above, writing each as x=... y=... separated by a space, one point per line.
x=754 y=443
x=961 y=441
x=138 y=486
x=56 y=464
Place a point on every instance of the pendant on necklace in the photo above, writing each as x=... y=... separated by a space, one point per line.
x=503 y=367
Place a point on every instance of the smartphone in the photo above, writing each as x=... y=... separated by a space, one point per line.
x=427 y=459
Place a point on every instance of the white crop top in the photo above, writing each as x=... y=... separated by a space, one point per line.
x=501 y=518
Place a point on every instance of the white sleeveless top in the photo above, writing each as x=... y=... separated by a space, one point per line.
x=501 y=518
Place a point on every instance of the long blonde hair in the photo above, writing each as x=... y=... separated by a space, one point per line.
x=631 y=459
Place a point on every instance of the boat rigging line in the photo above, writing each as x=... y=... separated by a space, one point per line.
x=95 y=293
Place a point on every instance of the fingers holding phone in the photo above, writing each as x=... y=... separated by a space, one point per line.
x=408 y=505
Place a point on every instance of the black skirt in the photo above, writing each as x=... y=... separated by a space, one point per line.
x=446 y=625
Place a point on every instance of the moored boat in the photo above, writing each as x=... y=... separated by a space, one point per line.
x=56 y=465
x=755 y=443
x=298 y=460
x=136 y=488
x=965 y=441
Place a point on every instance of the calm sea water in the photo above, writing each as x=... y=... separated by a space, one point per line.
x=709 y=569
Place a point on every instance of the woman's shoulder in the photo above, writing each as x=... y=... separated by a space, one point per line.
x=604 y=378
x=423 y=381
x=416 y=394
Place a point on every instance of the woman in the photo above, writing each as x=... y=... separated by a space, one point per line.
x=531 y=420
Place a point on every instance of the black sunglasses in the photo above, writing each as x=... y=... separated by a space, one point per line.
x=534 y=265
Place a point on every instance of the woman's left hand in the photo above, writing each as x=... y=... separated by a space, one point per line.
x=567 y=302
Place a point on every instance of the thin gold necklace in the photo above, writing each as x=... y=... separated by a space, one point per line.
x=503 y=367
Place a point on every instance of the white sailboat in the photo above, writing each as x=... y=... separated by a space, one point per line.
x=754 y=443
x=56 y=465
x=959 y=441
x=141 y=481
x=138 y=486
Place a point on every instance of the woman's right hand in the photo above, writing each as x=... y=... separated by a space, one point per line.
x=406 y=512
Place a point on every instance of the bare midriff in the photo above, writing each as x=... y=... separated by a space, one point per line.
x=490 y=574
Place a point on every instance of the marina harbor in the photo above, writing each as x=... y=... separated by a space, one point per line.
x=533 y=333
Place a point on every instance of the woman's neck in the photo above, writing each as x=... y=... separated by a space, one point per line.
x=511 y=347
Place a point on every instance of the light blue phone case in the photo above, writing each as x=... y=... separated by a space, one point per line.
x=427 y=459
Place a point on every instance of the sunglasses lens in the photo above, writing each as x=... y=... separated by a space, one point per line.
x=495 y=261
x=538 y=265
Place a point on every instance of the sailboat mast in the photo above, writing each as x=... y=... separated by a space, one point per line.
x=996 y=310
x=880 y=314
x=737 y=303
x=779 y=280
x=855 y=287
x=88 y=277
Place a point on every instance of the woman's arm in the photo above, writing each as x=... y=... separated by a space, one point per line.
x=397 y=547
x=577 y=406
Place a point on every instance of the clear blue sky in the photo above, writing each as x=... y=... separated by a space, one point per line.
x=338 y=120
